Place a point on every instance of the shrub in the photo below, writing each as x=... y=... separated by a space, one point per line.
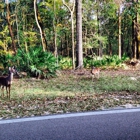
x=36 y=62
x=65 y=62
x=5 y=58
x=113 y=61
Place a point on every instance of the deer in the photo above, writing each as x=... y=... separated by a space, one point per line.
x=95 y=72
x=7 y=81
x=134 y=64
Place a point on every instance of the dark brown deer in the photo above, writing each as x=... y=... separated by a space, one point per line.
x=7 y=81
x=134 y=64
x=95 y=72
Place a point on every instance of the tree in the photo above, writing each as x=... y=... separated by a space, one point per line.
x=10 y=27
x=138 y=30
x=39 y=26
x=94 y=39
x=119 y=4
x=55 y=30
x=72 y=10
x=132 y=9
x=79 y=48
x=135 y=48
x=26 y=27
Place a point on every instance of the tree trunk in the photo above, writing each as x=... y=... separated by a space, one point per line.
x=72 y=30
x=73 y=47
x=10 y=27
x=44 y=44
x=110 y=47
x=138 y=32
x=134 y=39
x=79 y=49
x=18 y=38
x=119 y=34
x=134 y=33
x=98 y=22
x=138 y=37
x=55 y=32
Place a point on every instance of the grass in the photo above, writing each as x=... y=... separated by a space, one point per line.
x=70 y=93
x=120 y=83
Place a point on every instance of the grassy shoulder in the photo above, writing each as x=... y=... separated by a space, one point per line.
x=71 y=92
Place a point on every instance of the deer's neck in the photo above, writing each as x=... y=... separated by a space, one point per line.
x=10 y=78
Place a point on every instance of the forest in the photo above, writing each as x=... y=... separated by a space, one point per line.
x=40 y=36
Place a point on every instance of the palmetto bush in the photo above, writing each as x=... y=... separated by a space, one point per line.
x=36 y=62
x=65 y=62
x=105 y=61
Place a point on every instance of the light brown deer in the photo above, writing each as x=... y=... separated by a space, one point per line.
x=95 y=72
x=7 y=81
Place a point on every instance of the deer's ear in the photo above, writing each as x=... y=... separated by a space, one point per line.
x=13 y=67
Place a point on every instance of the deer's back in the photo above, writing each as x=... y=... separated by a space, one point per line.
x=95 y=71
x=4 y=81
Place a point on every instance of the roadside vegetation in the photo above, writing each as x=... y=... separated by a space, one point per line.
x=68 y=90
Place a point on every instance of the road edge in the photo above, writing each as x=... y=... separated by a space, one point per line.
x=69 y=115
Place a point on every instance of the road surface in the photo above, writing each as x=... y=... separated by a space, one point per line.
x=98 y=125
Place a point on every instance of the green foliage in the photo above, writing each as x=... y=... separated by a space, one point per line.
x=109 y=10
x=35 y=71
x=131 y=9
x=113 y=61
x=65 y=62
x=36 y=62
x=6 y=59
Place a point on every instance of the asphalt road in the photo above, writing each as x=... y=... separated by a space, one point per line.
x=98 y=125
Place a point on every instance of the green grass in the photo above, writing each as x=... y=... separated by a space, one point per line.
x=71 y=85
x=120 y=83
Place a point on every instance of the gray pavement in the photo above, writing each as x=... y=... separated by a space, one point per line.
x=98 y=125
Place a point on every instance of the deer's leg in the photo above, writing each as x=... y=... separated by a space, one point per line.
x=9 y=91
x=2 y=91
x=93 y=76
x=98 y=75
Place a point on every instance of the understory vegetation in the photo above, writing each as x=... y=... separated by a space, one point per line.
x=41 y=64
